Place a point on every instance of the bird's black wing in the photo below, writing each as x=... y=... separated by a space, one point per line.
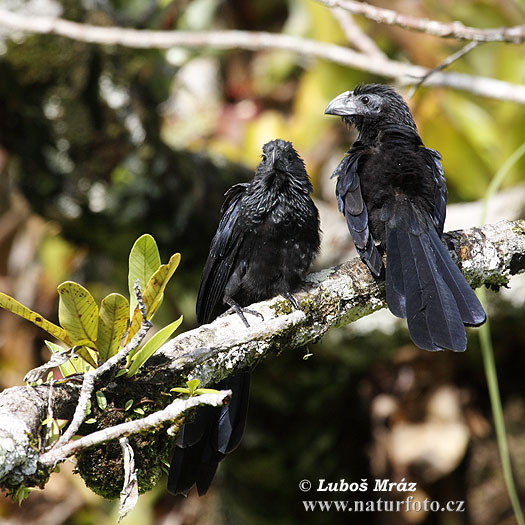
x=204 y=442
x=213 y=433
x=440 y=193
x=352 y=205
x=415 y=287
x=223 y=251
x=423 y=284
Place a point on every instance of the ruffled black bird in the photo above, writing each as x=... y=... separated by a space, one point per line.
x=392 y=191
x=267 y=238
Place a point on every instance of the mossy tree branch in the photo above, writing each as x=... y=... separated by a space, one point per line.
x=488 y=255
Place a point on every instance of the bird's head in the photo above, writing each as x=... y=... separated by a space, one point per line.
x=371 y=106
x=281 y=163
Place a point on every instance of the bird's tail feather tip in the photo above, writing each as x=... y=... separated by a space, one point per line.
x=424 y=282
x=427 y=337
x=478 y=323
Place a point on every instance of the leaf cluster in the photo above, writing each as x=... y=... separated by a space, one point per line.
x=94 y=334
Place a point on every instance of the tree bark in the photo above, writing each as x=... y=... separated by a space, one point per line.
x=489 y=255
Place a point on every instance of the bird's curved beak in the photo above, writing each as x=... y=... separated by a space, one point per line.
x=277 y=162
x=341 y=105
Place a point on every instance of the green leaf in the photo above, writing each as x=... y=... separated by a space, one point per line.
x=90 y=421
x=22 y=493
x=192 y=385
x=157 y=283
x=138 y=411
x=61 y=423
x=128 y=404
x=68 y=368
x=88 y=361
x=200 y=391
x=192 y=388
x=112 y=323
x=152 y=345
x=101 y=400
x=144 y=260
x=19 y=309
x=78 y=314
x=54 y=428
x=121 y=372
x=180 y=390
x=153 y=294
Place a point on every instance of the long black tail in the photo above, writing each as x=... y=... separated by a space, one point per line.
x=204 y=442
x=424 y=286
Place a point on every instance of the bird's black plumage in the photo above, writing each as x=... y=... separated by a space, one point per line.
x=392 y=191
x=267 y=238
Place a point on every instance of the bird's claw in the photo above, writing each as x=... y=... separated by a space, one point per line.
x=240 y=311
x=293 y=300
x=243 y=311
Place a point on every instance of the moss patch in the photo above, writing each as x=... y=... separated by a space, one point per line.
x=283 y=307
x=102 y=467
x=519 y=228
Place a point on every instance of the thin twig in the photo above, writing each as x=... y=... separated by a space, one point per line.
x=455 y=29
x=449 y=60
x=251 y=40
x=50 y=399
x=91 y=377
x=140 y=300
x=171 y=412
x=355 y=35
x=129 y=494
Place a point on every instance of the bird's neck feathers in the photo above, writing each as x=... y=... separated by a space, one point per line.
x=275 y=181
x=373 y=131
x=272 y=189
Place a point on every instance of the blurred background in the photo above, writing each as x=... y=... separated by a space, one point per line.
x=99 y=144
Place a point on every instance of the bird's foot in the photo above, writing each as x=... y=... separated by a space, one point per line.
x=240 y=311
x=292 y=299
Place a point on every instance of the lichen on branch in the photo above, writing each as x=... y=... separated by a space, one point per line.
x=488 y=255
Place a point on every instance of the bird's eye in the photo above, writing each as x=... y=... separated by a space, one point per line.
x=365 y=100
x=264 y=157
x=289 y=157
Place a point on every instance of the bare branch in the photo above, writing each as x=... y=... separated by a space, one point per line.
x=155 y=420
x=457 y=30
x=355 y=35
x=403 y=72
x=449 y=60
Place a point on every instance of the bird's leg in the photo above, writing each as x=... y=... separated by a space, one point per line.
x=240 y=311
x=292 y=299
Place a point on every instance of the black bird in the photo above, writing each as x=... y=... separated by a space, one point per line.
x=392 y=191
x=267 y=238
